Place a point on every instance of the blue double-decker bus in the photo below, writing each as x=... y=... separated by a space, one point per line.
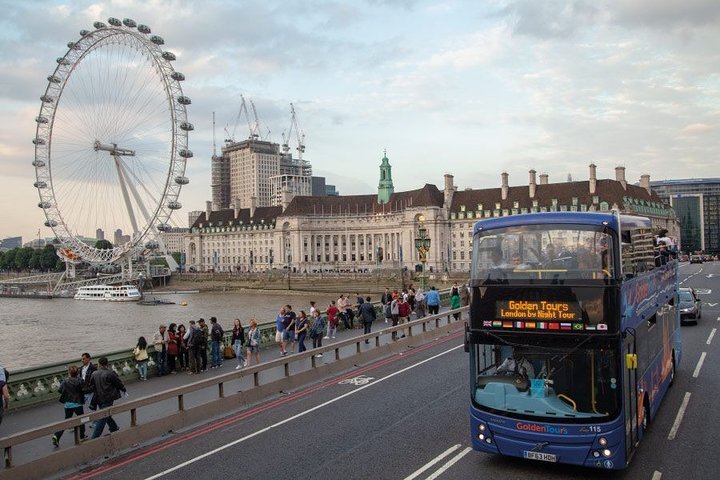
x=573 y=337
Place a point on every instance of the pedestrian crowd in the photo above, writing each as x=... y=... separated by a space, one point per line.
x=177 y=348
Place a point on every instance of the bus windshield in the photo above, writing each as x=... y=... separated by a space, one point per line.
x=543 y=251
x=542 y=383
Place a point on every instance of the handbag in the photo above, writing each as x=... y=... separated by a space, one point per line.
x=228 y=352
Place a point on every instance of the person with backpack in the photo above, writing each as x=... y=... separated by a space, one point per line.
x=367 y=314
x=318 y=330
x=238 y=340
x=72 y=398
x=203 y=343
x=216 y=338
x=107 y=387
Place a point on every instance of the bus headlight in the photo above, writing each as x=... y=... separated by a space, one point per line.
x=602 y=441
x=481 y=436
x=482 y=427
x=606 y=452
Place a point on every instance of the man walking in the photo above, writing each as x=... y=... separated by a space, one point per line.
x=203 y=343
x=160 y=341
x=107 y=387
x=86 y=372
x=280 y=331
x=216 y=338
x=367 y=314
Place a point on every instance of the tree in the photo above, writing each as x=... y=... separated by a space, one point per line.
x=22 y=258
x=8 y=260
x=35 y=261
x=103 y=245
x=48 y=258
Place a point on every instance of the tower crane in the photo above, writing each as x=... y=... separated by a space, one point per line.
x=299 y=135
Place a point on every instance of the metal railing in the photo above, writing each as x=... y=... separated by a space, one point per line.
x=424 y=329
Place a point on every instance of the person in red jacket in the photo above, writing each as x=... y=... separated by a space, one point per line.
x=332 y=314
x=403 y=312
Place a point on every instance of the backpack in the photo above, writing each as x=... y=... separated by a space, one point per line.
x=217 y=333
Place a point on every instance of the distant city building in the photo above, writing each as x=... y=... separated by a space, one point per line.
x=318 y=187
x=174 y=239
x=119 y=238
x=193 y=215
x=220 y=180
x=330 y=191
x=357 y=232
x=696 y=203
x=100 y=234
x=251 y=163
x=10 y=243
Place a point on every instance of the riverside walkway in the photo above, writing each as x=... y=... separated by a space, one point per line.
x=291 y=371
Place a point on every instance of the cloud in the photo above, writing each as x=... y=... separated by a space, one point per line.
x=479 y=48
x=697 y=129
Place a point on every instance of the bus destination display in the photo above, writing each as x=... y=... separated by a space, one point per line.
x=541 y=315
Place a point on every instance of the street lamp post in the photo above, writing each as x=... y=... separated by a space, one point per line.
x=422 y=245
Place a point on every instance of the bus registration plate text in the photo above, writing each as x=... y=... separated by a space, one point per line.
x=545 y=457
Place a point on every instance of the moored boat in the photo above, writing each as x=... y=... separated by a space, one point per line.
x=109 y=293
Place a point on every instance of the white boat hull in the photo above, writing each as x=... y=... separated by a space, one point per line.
x=107 y=293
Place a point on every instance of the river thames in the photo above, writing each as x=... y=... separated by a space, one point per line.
x=37 y=332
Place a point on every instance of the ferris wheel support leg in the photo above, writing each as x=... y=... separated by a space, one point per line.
x=134 y=192
x=126 y=196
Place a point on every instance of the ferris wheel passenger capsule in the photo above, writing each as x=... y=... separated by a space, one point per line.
x=63 y=61
x=157 y=40
x=174 y=205
x=163 y=227
x=129 y=22
x=177 y=76
x=51 y=223
x=183 y=100
x=99 y=25
x=180 y=180
x=185 y=153
x=38 y=163
x=84 y=32
x=38 y=141
x=53 y=79
x=187 y=126
x=169 y=56
x=152 y=245
x=41 y=119
x=44 y=205
x=40 y=184
x=114 y=22
x=143 y=29
x=47 y=99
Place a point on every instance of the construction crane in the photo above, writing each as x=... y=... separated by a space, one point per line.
x=299 y=135
x=252 y=129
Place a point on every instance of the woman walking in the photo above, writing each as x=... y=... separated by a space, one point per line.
x=455 y=300
x=172 y=348
x=72 y=397
x=182 y=347
x=141 y=357
x=301 y=330
x=253 y=343
x=238 y=340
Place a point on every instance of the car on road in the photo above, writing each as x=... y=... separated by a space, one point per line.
x=696 y=259
x=689 y=305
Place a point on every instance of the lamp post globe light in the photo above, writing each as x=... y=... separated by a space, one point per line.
x=422 y=245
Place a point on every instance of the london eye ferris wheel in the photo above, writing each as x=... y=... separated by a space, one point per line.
x=111 y=144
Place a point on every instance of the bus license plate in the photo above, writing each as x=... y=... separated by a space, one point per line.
x=545 y=457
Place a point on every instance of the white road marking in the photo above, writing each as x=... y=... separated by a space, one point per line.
x=679 y=417
x=294 y=417
x=656 y=475
x=696 y=373
x=433 y=462
x=449 y=464
x=712 y=334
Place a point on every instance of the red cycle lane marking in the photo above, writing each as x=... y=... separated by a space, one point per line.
x=254 y=411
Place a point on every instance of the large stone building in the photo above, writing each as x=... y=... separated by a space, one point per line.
x=697 y=205
x=367 y=232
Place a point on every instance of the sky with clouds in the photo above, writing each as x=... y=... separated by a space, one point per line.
x=446 y=86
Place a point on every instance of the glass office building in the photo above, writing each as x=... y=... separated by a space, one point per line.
x=696 y=203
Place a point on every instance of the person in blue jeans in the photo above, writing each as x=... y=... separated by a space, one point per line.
x=107 y=387
x=160 y=341
x=432 y=299
x=216 y=338
x=72 y=397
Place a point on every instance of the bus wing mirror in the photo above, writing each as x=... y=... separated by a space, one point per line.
x=631 y=361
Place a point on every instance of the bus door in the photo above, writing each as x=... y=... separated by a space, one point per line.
x=631 y=391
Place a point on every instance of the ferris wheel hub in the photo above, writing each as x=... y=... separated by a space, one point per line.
x=113 y=149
